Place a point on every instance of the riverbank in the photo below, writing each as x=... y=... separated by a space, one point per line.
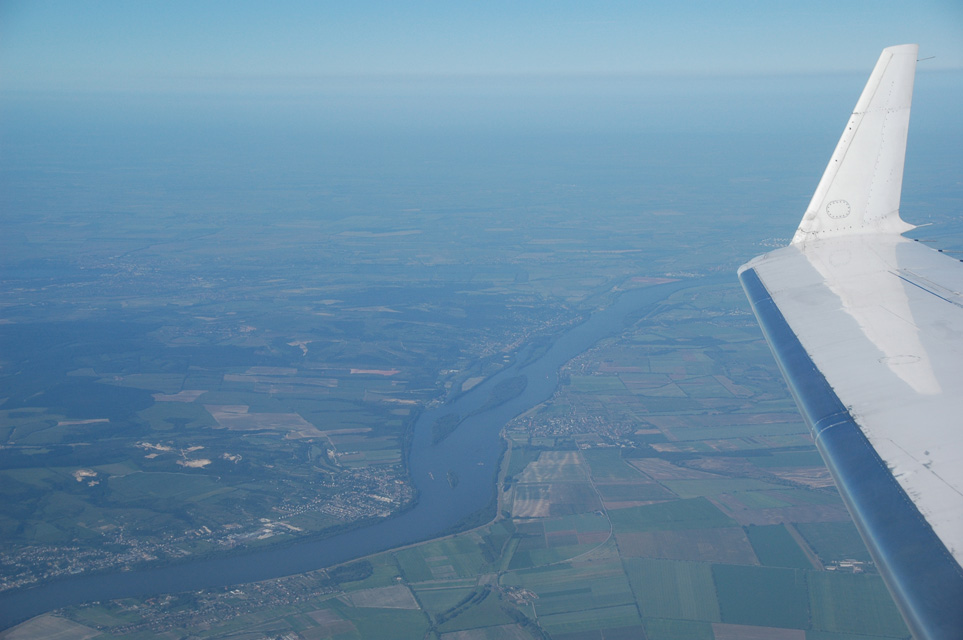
x=474 y=449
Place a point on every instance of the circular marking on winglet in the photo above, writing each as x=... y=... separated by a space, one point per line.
x=901 y=359
x=837 y=209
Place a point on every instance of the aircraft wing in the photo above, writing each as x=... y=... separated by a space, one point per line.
x=867 y=328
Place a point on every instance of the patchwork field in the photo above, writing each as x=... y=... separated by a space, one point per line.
x=762 y=596
x=651 y=497
x=555 y=466
x=726 y=545
x=673 y=589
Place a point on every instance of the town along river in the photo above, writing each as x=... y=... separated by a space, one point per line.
x=471 y=451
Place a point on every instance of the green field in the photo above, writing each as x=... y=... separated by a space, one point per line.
x=609 y=617
x=809 y=458
x=162 y=382
x=695 y=513
x=673 y=589
x=381 y=623
x=663 y=629
x=437 y=599
x=584 y=595
x=760 y=500
x=521 y=456
x=607 y=465
x=762 y=596
x=834 y=541
x=727 y=545
x=568 y=588
x=167 y=416
x=582 y=523
x=163 y=486
x=487 y=611
x=853 y=603
x=602 y=385
x=384 y=572
x=804 y=496
x=775 y=547
x=743 y=431
x=715 y=486
x=635 y=491
x=457 y=557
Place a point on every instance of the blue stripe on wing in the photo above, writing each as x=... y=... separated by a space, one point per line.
x=924 y=578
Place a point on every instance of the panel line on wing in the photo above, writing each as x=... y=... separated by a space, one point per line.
x=930 y=287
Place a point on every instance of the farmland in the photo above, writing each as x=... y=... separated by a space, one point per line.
x=606 y=532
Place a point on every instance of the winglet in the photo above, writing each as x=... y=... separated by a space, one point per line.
x=860 y=189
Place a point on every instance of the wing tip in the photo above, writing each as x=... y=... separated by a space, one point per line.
x=861 y=187
x=902 y=49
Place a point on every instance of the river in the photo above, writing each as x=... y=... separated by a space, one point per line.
x=472 y=450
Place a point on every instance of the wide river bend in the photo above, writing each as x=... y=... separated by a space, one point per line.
x=472 y=450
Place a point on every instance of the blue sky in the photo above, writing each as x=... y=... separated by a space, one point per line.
x=111 y=44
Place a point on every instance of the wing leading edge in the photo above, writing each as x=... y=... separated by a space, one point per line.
x=867 y=328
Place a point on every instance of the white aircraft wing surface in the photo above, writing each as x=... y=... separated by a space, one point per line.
x=867 y=328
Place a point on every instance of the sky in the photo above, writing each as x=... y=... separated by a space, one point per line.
x=116 y=44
